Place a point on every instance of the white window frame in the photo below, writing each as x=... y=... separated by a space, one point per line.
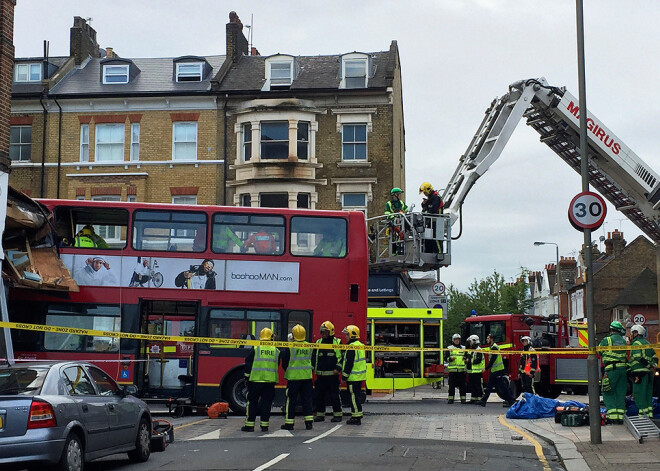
x=278 y=60
x=261 y=142
x=354 y=58
x=180 y=75
x=103 y=145
x=112 y=70
x=135 y=142
x=131 y=198
x=281 y=65
x=354 y=142
x=354 y=207
x=28 y=69
x=184 y=199
x=174 y=141
x=303 y=142
x=22 y=145
x=84 y=143
x=247 y=143
x=104 y=230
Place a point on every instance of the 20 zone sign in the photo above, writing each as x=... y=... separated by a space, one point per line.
x=587 y=210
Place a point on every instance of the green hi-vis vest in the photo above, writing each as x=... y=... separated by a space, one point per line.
x=300 y=364
x=611 y=357
x=499 y=364
x=477 y=367
x=359 y=371
x=458 y=365
x=84 y=241
x=264 y=367
x=334 y=353
x=636 y=356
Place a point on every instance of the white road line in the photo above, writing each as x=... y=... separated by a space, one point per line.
x=214 y=435
x=325 y=434
x=277 y=459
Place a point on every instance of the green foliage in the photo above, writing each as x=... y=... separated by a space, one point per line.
x=491 y=295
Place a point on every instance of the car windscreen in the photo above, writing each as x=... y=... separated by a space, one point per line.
x=22 y=381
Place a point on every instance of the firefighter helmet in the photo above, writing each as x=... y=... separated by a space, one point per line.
x=425 y=188
x=353 y=332
x=455 y=336
x=329 y=327
x=395 y=190
x=266 y=334
x=474 y=339
x=526 y=337
x=617 y=327
x=638 y=329
x=299 y=333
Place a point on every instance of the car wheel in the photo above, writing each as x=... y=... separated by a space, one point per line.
x=142 y=441
x=73 y=456
x=235 y=392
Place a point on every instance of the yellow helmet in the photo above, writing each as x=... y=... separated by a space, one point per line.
x=329 y=326
x=299 y=333
x=266 y=334
x=353 y=332
x=425 y=188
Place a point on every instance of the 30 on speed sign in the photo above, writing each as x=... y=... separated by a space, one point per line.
x=587 y=210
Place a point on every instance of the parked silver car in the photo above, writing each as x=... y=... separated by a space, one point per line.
x=68 y=413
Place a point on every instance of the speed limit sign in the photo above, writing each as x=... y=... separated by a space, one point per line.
x=587 y=210
x=438 y=288
x=639 y=319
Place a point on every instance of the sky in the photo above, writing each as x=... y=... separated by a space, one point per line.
x=456 y=57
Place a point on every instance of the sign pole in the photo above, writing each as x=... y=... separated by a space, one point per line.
x=592 y=360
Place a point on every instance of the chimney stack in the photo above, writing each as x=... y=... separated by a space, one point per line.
x=615 y=243
x=83 y=41
x=110 y=53
x=237 y=44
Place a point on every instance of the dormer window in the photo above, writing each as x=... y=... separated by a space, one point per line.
x=354 y=70
x=279 y=72
x=113 y=74
x=27 y=72
x=189 y=72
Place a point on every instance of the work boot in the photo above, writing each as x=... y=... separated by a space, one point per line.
x=482 y=403
x=463 y=401
x=336 y=418
x=247 y=428
x=264 y=429
x=287 y=427
x=450 y=401
x=309 y=425
x=319 y=418
x=354 y=421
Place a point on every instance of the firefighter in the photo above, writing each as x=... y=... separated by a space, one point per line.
x=641 y=365
x=456 y=369
x=497 y=378
x=432 y=205
x=354 y=371
x=394 y=207
x=614 y=380
x=474 y=365
x=297 y=366
x=261 y=373
x=327 y=366
x=528 y=366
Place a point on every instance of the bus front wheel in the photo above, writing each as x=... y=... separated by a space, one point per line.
x=235 y=392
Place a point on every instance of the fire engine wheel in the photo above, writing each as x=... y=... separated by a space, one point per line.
x=235 y=392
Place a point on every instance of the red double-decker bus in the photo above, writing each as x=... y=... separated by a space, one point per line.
x=205 y=271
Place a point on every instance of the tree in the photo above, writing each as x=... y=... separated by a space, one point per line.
x=491 y=295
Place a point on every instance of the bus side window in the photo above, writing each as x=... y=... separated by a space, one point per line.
x=318 y=237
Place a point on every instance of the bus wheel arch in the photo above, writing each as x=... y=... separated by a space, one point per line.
x=234 y=390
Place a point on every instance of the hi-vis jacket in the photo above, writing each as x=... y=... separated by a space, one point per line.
x=261 y=364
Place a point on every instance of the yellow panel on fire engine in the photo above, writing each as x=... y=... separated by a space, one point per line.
x=403 y=313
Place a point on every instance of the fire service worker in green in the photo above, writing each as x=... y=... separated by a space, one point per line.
x=641 y=367
x=327 y=366
x=354 y=370
x=614 y=380
x=261 y=371
x=455 y=358
x=297 y=366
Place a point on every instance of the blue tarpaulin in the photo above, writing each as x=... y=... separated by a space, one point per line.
x=631 y=408
x=532 y=406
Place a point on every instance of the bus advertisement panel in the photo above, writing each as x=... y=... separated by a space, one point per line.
x=206 y=271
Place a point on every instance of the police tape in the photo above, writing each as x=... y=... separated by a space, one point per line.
x=321 y=346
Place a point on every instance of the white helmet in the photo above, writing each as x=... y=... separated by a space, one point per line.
x=639 y=329
x=455 y=336
x=526 y=337
x=474 y=339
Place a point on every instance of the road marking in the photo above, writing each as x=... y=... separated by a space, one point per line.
x=277 y=459
x=179 y=427
x=325 y=434
x=278 y=434
x=214 y=435
x=537 y=446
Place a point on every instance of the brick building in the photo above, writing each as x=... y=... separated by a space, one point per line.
x=321 y=132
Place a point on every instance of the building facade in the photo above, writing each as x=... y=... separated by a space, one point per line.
x=322 y=132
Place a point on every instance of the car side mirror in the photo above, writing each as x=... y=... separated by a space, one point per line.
x=130 y=389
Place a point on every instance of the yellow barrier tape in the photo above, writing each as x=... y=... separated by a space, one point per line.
x=323 y=346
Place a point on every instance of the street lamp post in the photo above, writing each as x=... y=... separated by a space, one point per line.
x=557 y=276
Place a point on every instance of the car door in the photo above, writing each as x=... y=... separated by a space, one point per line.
x=92 y=409
x=122 y=410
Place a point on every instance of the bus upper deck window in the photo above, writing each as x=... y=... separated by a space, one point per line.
x=173 y=231
x=318 y=236
x=249 y=234
x=91 y=227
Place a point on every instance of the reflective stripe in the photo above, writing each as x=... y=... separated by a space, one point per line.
x=458 y=363
x=300 y=364
x=477 y=367
x=264 y=367
x=498 y=365
x=359 y=371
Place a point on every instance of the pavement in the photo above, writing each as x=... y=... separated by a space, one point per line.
x=572 y=444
